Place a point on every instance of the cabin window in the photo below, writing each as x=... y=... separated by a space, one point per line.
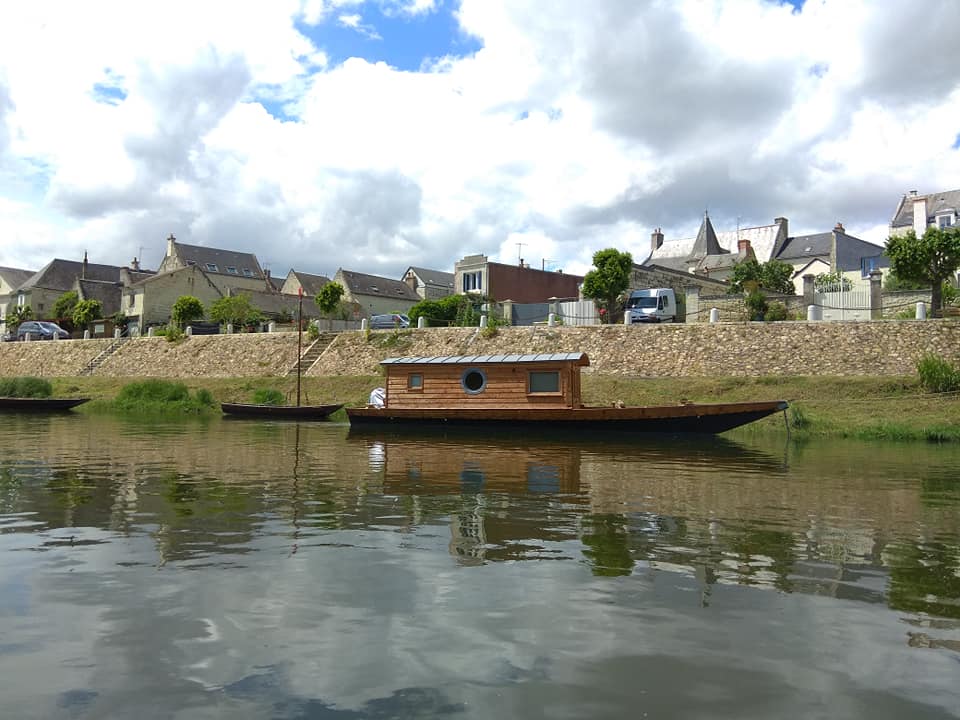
x=473 y=381
x=544 y=382
x=415 y=382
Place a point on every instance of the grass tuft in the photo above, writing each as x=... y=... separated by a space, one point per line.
x=161 y=396
x=268 y=396
x=25 y=387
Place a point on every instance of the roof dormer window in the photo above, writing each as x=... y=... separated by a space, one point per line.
x=945 y=220
x=212 y=267
x=232 y=270
x=247 y=272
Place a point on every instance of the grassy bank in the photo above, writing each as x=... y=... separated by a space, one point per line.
x=856 y=407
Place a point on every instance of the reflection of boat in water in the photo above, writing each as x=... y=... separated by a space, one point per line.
x=458 y=460
x=11 y=404
x=540 y=391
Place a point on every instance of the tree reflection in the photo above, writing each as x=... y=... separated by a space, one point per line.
x=608 y=545
x=925 y=577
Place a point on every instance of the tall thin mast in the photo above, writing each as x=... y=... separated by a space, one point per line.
x=299 y=339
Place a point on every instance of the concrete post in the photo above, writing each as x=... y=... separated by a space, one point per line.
x=189 y=330
x=421 y=322
x=921 y=310
x=693 y=303
x=150 y=331
x=55 y=336
x=272 y=326
x=876 y=295
x=508 y=311
x=812 y=313
x=483 y=321
x=363 y=325
x=551 y=319
x=116 y=333
x=86 y=335
x=229 y=328
x=714 y=315
x=808 y=289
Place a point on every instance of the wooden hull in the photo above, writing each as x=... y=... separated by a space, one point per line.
x=39 y=404
x=289 y=412
x=671 y=419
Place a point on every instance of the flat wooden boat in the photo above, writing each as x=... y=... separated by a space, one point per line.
x=11 y=404
x=539 y=392
x=290 y=412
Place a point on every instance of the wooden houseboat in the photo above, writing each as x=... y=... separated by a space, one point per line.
x=536 y=391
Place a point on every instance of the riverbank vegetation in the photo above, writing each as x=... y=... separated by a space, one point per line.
x=886 y=408
x=25 y=387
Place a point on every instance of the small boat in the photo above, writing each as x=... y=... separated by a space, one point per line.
x=13 y=404
x=284 y=412
x=291 y=412
x=539 y=392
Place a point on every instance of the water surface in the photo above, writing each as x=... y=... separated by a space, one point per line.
x=249 y=569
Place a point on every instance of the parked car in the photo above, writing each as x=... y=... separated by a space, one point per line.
x=389 y=321
x=40 y=330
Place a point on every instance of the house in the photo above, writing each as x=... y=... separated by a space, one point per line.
x=42 y=290
x=429 y=284
x=149 y=301
x=10 y=280
x=297 y=281
x=714 y=254
x=918 y=212
x=376 y=295
x=832 y=251
x=226 y=269
x=519 y=283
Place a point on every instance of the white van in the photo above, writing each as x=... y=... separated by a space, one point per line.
x=651 y=305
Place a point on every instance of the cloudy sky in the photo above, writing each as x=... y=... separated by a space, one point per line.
x=376 y=134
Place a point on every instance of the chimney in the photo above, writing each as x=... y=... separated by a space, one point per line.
x=656 y=240
x=839 y=227
x=521 y=263
x=171 y=245
x=135 y=265
x=83 y=271
x=743 y=248
x=919 y=214
x=913 y=193
x=411 y=280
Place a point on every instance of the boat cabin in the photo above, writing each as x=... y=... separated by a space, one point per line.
x=550 y=380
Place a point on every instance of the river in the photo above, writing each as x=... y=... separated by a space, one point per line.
x=247 y=569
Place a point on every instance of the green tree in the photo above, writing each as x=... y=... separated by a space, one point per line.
x=186 y=309
x=86 y=311
x=931 y=259
x=17 y=315
x=235 y=309
x=773 y=275
x=63 y=309
x=451 y=310
x=328 y=299
x=608 y=280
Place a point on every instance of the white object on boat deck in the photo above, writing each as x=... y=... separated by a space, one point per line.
x=378 y=398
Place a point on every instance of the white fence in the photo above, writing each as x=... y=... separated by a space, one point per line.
x=852 y=304
x=578 y=312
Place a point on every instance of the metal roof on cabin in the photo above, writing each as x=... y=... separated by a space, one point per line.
x=487 y=359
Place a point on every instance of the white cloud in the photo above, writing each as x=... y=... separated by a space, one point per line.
x=573 y=130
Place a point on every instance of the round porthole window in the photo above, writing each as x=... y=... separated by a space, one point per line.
x=473 y=381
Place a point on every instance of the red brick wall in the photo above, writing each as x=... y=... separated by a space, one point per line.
x=526 y=285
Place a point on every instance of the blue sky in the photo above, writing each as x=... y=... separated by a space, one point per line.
x=402 y=41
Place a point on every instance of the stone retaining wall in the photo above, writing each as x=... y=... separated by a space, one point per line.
x=669 y=350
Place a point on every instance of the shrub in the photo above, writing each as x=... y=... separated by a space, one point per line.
x=160 y=396
x=25 y=387
x=775 y=312
x=938 y=375
x=313 y=332
x=173 y=333
x=756 y=304
x=268 y=396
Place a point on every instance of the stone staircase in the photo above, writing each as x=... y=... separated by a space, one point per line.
x=98 y=360
x=312 y=353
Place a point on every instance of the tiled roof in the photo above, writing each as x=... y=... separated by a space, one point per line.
x=15 y=277
x=437 y=278
x=579 y=358
x=936 y=202
x=61 y=274
x=311 y=284
x=360 y=284
x=221 y=259
x=761 y=238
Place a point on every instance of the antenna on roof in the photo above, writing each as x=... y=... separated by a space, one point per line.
x=520 y=251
